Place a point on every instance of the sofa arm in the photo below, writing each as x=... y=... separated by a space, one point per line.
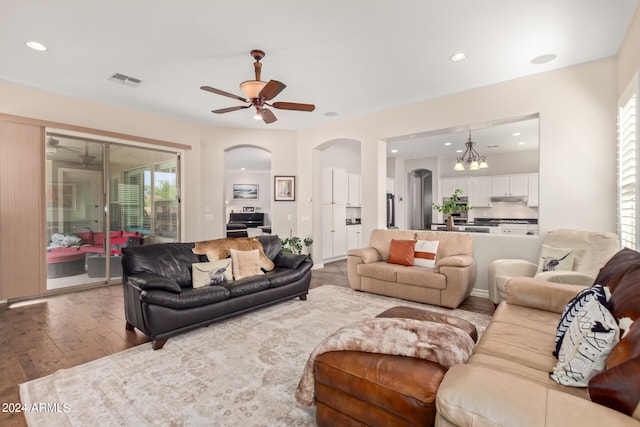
x=514 y=267
x=472 y=395
x=148 y=281
x=366 y=255
x=539 y=294
x=289 y=260
x=568 y=277
x=454 y=261
x=356 y=257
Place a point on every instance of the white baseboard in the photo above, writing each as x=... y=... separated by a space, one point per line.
x=481 y=293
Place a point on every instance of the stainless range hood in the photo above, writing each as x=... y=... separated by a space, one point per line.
x=512 y=199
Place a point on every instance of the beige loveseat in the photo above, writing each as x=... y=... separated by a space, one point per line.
x=507 y=383
x=447 y=284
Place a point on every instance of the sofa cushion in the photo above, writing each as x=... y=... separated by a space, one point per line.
x=147 y=281
x=425 y=253
x=187 y=298
x=165 y=259
x=628 y=347
x=625 y=299
x=423 y=277
x=271 y=245
x=381 y=240
x=573 y=308
x=287 y=260
x=614 y=270
x=617 y=388
x=248 y=285
x=449 y=244
x=555 y=259
x=402 y=252
x=284 y=276
x=380 y=270
x=245 y=263
x=586 y=346
x=211 y=273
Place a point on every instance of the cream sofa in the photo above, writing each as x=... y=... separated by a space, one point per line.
x=506 y=382
x=591 y=249
x=448 y=284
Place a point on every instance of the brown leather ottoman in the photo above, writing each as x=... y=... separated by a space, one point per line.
x=367 y=389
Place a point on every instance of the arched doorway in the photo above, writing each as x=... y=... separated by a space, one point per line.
x=247 y=187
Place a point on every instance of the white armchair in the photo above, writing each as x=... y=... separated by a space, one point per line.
x=590 y=251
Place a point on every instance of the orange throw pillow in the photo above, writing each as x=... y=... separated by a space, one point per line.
x=402 y=252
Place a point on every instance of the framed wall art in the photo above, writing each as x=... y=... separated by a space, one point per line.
x=284 y=188
x=245 y=191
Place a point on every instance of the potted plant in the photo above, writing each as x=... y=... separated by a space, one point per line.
x=293 y=244
x=451 y=205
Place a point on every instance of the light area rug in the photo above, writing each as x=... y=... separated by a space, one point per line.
x=239 y=372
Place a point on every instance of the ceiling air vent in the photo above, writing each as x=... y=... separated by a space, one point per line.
x=125 y=80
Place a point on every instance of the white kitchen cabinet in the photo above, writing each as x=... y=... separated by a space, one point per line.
x=481 y=190
x=353 y=237
x=335 y=192
x=353 y=198
x=449 y=185
x=533 y=197
x=509 y=185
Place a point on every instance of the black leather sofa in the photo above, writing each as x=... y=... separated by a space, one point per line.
x=160 y=301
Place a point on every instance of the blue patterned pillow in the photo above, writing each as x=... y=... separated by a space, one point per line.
x=574 y=306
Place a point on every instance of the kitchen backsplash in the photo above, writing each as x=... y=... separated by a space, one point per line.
x=512 y=210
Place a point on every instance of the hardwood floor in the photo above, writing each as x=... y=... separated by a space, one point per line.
x=40 y=336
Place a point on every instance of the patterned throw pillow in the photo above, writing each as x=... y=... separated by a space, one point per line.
x=425 y=253
x=211 y=273
x=574 y=306
x=588 y=342
x=555 y=259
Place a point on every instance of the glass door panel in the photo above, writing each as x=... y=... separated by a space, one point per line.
x=75 y=217
x=85 y=240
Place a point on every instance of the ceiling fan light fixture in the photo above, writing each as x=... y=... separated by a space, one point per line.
x=258 y=115
x=252 y=88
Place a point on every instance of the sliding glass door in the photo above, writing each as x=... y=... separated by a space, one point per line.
x=85 y=234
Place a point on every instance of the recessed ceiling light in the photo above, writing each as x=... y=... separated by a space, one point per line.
x=516 y=134
x=243 y=169
x=394 y=151
x=457 y=57
x=447 y=144
x=521 y=143
x=543 y=59
x=330 y=114
x=37 y=46
x=458 y=151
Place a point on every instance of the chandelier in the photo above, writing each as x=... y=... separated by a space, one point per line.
x=471 y=158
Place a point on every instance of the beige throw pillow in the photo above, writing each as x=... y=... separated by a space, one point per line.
x=245 y=263
x=211 y=273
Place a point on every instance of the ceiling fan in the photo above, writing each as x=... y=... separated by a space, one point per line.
x=53 y=145
x=257 y=93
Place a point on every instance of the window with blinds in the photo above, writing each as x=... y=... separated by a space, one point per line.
x=627 y=172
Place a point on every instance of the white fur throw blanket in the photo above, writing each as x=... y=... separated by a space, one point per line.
x=436 y=342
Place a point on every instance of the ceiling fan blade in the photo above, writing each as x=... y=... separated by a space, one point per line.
x=223 y=93
x=268 y=116
x=293 y=106
x=271 y=90
x=230 y=109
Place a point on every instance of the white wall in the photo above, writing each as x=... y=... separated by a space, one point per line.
x=577 y=108
x=265 y=193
